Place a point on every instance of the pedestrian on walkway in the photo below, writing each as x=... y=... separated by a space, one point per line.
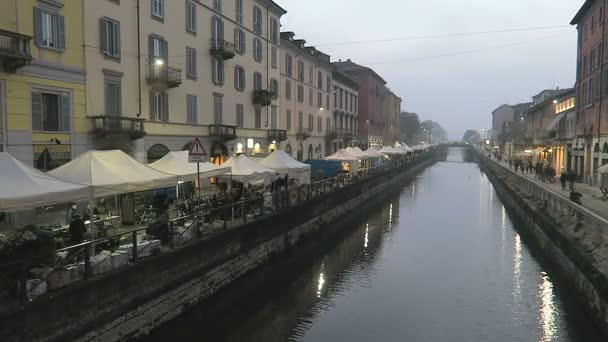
x=576 y=198
x=530 y=166
x=571 y=179
x=538 y=169
x=563 y=179
x=510 y=164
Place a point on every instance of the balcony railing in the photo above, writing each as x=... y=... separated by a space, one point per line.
x=302 y=134
x=277 y=135
x=262 y=97
x=222 y=49
x=222 y=132
x=164 y=75
x=14 y=50
x=105 y=124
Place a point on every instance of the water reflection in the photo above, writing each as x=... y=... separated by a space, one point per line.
x=548 y=309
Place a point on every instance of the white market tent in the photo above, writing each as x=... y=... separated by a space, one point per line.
x=176 y=163
x=373 y=153
x=24 y=187
x=388 y=150
x=342 y=155
x=603 y=169
x=356 y=151
x=245 y=170
x=112 y=173
x=281 y=162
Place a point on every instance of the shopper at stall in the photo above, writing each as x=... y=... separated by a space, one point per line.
x=71 y=213
x=77 y=230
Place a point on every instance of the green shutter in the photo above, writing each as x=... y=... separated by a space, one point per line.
x=66 y=111
x=103 y=36
x=36 y=111
x=37 y=26
x=60 y=32
x=165 y=114
x=117 y=38
x=152 y=107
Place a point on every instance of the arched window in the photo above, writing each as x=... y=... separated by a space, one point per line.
x=320 y=124
x=311 y=122
x=319 y=151
x=156 y=152
x=310 y=151
x=300 y=152
x=288 y=149
x=328 y=124
x=596 y=148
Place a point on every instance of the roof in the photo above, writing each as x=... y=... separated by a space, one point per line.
x=350 y=66
x=582 y=11
x=562 y=93
x=343 y=78
x=271 y=5
x=300 y=44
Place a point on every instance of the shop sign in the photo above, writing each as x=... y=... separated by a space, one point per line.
x=596 y=154
x=50 y=156
x=604 y=155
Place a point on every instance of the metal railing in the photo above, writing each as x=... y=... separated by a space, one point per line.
x=15 y=44
x=222 y=131
x=277 y=134
x=108 y=123
x=223 y=48
x=164 y=73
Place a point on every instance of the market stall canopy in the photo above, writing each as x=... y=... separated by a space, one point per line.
x=112 y=173
x=373 y=153
x=281 y=162
x=176 y=163
x=243 y=169
x=603 y=169
x=388 y=150
x=342 y=155
x=24 y=187
x=355 y=151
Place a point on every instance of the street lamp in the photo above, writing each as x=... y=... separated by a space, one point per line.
x=159 y=62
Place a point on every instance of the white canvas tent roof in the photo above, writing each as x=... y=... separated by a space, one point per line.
x=113 y=172
x=356 y=151
x=176 y=163
x=373 y=153
x=603 y=169
x=388 y=150
x=24 y=187
x=243 y=169
x=342 y=155
x=281 y=162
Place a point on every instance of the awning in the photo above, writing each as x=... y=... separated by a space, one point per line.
x=555 y=122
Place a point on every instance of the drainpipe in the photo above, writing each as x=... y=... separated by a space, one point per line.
x=138 y=59
x=599 y=109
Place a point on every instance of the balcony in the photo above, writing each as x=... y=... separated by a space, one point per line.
x=222 y=49
x=222 y=132
x=14 y=50
x=302 y=134
x=104 y=125
x=331 y=135
x=262 y=97
x=277 y=135
x=164 y=76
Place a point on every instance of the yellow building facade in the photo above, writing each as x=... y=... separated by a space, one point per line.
x=42 y=81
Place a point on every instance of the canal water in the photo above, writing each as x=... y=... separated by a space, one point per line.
x=439 y=261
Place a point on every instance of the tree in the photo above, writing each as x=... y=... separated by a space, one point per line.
x=471 y=136
x=409 y=125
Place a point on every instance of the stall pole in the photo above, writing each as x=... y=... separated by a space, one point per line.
x=198 y=178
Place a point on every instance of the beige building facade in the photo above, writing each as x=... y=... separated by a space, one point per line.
x=160 y=73
x=345 y=113
x=392 y=108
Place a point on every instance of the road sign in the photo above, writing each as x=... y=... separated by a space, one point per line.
x=197 y=152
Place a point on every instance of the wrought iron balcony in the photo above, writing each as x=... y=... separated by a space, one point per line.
x=262 y=97
x=277 y=135
x=222 y=132
x=14 y=50
x=164 y=76
x=105 y=124
x=222 y=49
x=302 y=134
x=331 y=135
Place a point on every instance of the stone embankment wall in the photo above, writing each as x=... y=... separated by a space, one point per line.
x=574 y=245
x=131 y=301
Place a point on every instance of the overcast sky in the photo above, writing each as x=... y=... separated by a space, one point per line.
x=459 y=90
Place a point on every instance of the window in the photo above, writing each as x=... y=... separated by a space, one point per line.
x=49 y=29
x=257 y=49
x=310 y=100
x=110 y=37
x=273 y=57
x=288 y=119
x=239 y=40
x=192 y=109
x=217 y=30
x=158 y=9
x=239 y=116
x=356 y=103
x=158 y=48
x=113 y=96
x=335 y=97
x=341 y=103
x=258 y=117
x=190 y=17
x=288 y=65
x=300 y=121
x=217 y=5
x=311 y=122
x=257 y=81
x=217 y=71
x=274 y=88
x=239 y=78
x=310 y=75
x=273 y=117
x=190 y=63
x=51 y=111
x=274 y=30
x=257 y=20
x=328 y=84
x=327 y=102
x=217 y=109
x=239 y=11
x=328 y=124
x=320 y=100
x=301 y=70
x=601 y=16
x=288 y=89
x=320 y=80
x=300 y=93
x=159 y=106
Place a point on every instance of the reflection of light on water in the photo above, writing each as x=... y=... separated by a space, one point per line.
x=390 y=216
x=547 y=309
x=366 y=235
x=321 y=282
x=503 y=228
x=517 y=269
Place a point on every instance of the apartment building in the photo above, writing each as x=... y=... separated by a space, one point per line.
x=345 y=123
x=42 y=81
x=160 y=73
x=392 y=108
x=306 y=78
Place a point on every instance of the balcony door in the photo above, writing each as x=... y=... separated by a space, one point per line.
x=217 y=31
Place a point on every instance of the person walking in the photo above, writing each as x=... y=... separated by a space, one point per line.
x=563 y=179
x=576 y=198
x=571 y=179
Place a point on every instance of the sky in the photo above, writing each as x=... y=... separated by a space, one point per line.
x=457 y=80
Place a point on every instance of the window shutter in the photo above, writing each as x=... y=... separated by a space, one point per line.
x=36 y=111
x=152 y=107
x=37 y=26
x=103 y=36
x=236 y=40
x=194 y=109
x=61 y=32
x=214 y=30
x=244 y=41
x=66 y=106
x=151 y=47
x=221 y=27
x=117 y=38
x=165 y=51
x=165 y=114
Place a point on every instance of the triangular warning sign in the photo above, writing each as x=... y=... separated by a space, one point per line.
x=197 y=149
